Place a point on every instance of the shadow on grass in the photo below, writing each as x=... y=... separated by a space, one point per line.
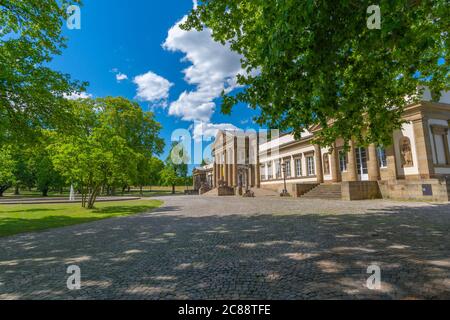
x=123 y=210
x=11 y=226
x=15 y=225
x=34 y=210
x=173 y=255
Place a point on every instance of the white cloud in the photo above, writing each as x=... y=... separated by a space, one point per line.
x=152 y=88
x=78 y=95
x=209 y=130
x=121 y=77
x=213 y=69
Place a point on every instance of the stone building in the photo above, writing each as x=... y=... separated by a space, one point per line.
x=203 y=179
x=416 y=166
x=236 y=161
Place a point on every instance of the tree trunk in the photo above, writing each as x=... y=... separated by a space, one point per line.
x=83 y=197
x=3 y=188
x=17 y=191
x=93 y=197
x=173 y=189
x=45 y=192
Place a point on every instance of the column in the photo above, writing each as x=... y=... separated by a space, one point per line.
x=258 y=164
x=391 y=164
x=274 y=170
x=293 y=168
x=214 y=182
x=222 y=167
x=334 y=165
x=352 y=173
x=372 y=163
x=225 y=165
x=423 y=148
x=235 y=162
x=319 y=167
x=224 y=154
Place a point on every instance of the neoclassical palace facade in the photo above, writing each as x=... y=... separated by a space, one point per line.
x=416 y=166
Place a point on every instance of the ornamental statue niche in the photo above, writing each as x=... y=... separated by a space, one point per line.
x=406 y=153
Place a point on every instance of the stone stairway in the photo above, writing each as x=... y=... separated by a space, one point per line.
x=212 y=193
x=264 y=193
x=256 y=191
x=325 y=191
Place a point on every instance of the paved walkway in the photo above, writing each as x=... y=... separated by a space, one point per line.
x=261 y=248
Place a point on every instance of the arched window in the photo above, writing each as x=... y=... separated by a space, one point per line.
x=326 y=163
x=406 y=152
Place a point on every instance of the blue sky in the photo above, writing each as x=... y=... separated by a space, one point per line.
x=179 y=75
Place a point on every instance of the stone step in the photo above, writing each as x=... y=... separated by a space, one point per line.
x=212 y=193
x=325 y=191
x=264 y=192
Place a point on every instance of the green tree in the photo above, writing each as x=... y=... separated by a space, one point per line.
x=127 y=119
x=6 y=170
x=31 y=94
x=176 y=166
x=44 y=172
x=96 y=160
x=111 y=141
x=178 y=159
x=23 y=173
x=317 y=63
x=169 y=177
x=156 y=166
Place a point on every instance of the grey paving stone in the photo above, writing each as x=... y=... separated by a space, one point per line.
x=231 y=248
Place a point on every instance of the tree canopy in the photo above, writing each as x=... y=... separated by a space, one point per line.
x=31 y=94
x=175 y=171
x=316 y=62
x=6 y=169
x=113 y=140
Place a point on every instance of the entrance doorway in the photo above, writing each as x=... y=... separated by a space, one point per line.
x=361 y=164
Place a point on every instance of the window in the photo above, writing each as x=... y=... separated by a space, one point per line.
x=382 y=159
x=406 y=152
x=278 y=169
x=262 y=170
x=287 y=163
x=441 y=147
x=343 y=161
x=269 y=171
x=310 y=166
x=298 y=167
x=326 y=164
x=361 y=161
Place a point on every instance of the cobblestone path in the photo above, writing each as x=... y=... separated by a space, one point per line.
x=233 y=248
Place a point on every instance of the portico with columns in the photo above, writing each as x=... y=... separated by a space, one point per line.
x=416 y=165
x=236 y=160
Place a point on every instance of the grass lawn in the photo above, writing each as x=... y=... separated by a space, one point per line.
x=23 y=218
